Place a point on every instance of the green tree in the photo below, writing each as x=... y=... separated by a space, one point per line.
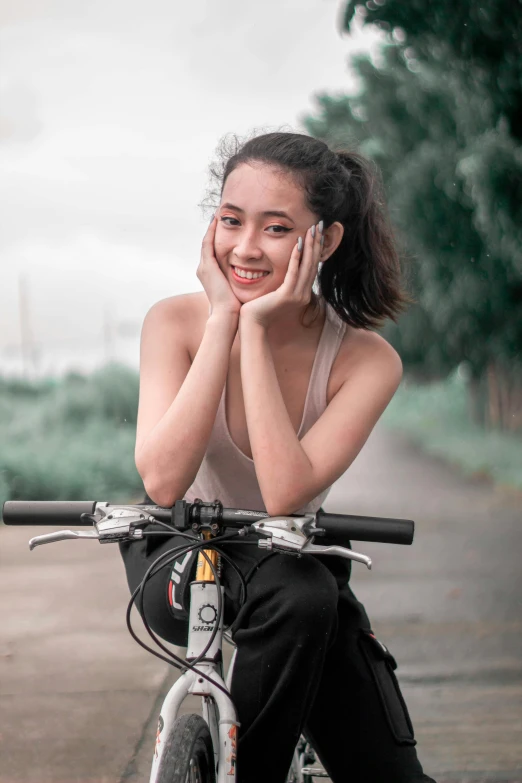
x=482 y=40
x=446 y=141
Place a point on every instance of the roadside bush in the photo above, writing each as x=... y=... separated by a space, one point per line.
x=437 y=417
x=110 y=394
x=70 y=439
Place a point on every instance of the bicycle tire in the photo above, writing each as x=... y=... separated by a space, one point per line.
x=188 y=756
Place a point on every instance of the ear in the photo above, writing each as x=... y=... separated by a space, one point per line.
x=332 y=239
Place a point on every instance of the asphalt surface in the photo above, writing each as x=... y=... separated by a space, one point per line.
x=79 y=698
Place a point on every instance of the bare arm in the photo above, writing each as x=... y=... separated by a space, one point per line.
x=178 y=400
x=291 y=472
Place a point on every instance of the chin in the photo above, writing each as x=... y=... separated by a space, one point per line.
x=245 y=296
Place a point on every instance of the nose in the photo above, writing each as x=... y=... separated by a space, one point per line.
x=247 y=246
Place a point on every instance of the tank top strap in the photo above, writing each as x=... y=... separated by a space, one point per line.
x=328 y=349
x=220 y=429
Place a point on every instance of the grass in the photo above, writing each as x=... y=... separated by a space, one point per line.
x=71 y=439
x=435 y=416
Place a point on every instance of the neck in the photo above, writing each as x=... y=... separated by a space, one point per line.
x=291 y=331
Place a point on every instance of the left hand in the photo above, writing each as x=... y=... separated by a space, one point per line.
x=296 y=290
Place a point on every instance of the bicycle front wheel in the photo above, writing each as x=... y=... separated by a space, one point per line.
x=188 y=756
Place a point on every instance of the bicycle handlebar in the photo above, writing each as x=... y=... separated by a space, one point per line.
x=336 y=526
x=379 y=529
x=47 y=512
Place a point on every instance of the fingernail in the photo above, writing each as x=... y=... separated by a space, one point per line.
x=300 y=244
x=321 y=226
x=212 y=218
x=313 y=231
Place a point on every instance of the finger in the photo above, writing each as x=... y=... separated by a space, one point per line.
x=319 y=243
x=211 y=230
x=308 y=268
x=292 y=273
x=317 y=247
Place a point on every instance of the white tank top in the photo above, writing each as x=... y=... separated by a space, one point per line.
x=227 y=473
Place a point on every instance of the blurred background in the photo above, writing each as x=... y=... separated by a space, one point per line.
x=110 y=114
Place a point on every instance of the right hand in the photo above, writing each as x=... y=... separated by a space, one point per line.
x=217 y=288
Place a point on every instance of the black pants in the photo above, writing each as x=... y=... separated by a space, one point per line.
x=306 y=662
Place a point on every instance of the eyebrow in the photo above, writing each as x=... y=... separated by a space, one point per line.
x=267 y=213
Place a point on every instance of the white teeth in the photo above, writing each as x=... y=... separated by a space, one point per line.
x=249 y=275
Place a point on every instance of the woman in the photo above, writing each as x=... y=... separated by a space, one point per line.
x=261 y=393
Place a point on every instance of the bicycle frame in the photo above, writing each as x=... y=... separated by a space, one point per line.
x=218 y=709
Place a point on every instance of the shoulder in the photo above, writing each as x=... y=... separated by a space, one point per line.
x=176 y=321
x=183 y=310
x=368 y=352
x=172 y=308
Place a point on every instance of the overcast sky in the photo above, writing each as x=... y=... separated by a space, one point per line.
x=110 y=112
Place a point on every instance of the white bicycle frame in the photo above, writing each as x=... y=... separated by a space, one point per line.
x=218 y=710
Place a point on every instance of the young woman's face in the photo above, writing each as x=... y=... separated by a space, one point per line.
x=249 y=237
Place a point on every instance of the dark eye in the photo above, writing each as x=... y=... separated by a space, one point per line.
x=284 y=229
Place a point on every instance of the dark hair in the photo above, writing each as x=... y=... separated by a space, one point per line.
x=361 y=280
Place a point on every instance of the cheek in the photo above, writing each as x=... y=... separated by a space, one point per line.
x=221 y=247
x=280 y=255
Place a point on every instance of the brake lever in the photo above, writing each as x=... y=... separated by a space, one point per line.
x=61 y=535
x=111 y=524
x=295 y=534
x=349 y=554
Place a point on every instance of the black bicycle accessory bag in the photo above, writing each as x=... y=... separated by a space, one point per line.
x=182 y=573
x=382 y=666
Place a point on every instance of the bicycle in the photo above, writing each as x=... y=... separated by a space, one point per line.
x=203 y=748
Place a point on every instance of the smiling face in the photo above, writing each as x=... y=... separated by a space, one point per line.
x=247 y=236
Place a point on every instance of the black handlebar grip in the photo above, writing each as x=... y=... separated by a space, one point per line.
x=379 y=529
x=47 y=512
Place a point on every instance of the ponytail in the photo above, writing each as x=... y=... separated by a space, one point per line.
x=361 y=279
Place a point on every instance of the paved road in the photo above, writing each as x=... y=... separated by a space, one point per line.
x=78 y=698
